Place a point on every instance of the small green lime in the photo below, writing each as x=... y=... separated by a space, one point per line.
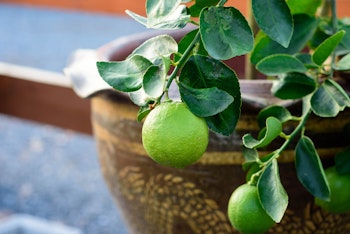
x=172 y=135
x=340 y=193
x=246 y=213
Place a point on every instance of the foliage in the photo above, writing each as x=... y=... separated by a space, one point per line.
x=299 y=49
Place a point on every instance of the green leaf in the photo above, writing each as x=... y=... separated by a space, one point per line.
x=325 y=30
x=306 y=6
x=342 y=161
x=272 y=195
x=156 y=48
x=225 y=32
x=309 y=169
x=344 y=45
x=201 y=4
x=143 y=112
x=329 y=99
x=306 y=59
x=186 y=41
x=204 y=72
x=153 y=81
x=142 y=20
x=169 y=14
x=304 y=28
x=205 y=102
x=275 y=19
x=273 y=130
x=279 y=64
x=293 y=86
x=253 y=168
x=125 y=76
x=140 y=98
x=320 y=34
x=325 y=49
x=159 y=8
x=251 y=156
x=279 y=112
x=343 y=64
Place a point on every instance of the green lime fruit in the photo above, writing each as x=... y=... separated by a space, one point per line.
x=173 y=136
x=246 y=213
x=340 y=193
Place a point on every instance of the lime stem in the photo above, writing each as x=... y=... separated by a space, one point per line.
x=291 y=137
x=182 y=60
x=178 y=66
x=185 y=56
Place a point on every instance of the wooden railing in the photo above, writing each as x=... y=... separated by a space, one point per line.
x=42 y=96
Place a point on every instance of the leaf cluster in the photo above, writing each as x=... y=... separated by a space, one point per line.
x=296 y=47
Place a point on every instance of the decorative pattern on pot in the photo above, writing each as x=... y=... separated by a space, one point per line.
x=158 y=199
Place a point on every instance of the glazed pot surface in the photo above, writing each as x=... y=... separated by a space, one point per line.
x=158 y=199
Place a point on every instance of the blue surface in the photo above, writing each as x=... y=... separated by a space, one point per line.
x=44 y=38
x=54 y=174
x=45 y=171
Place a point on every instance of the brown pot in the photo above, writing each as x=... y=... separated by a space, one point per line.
x=158 y=199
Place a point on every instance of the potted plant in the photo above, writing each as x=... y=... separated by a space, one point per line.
x=292 y=125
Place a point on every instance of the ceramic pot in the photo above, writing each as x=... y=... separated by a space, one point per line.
x=159 y=199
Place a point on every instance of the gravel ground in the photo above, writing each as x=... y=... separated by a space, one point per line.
x=54 y=174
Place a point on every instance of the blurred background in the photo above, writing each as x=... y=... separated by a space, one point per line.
x=49 y=171
x=50 y=180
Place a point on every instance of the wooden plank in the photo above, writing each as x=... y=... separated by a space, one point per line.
x=44 y=102
x=34 y=74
